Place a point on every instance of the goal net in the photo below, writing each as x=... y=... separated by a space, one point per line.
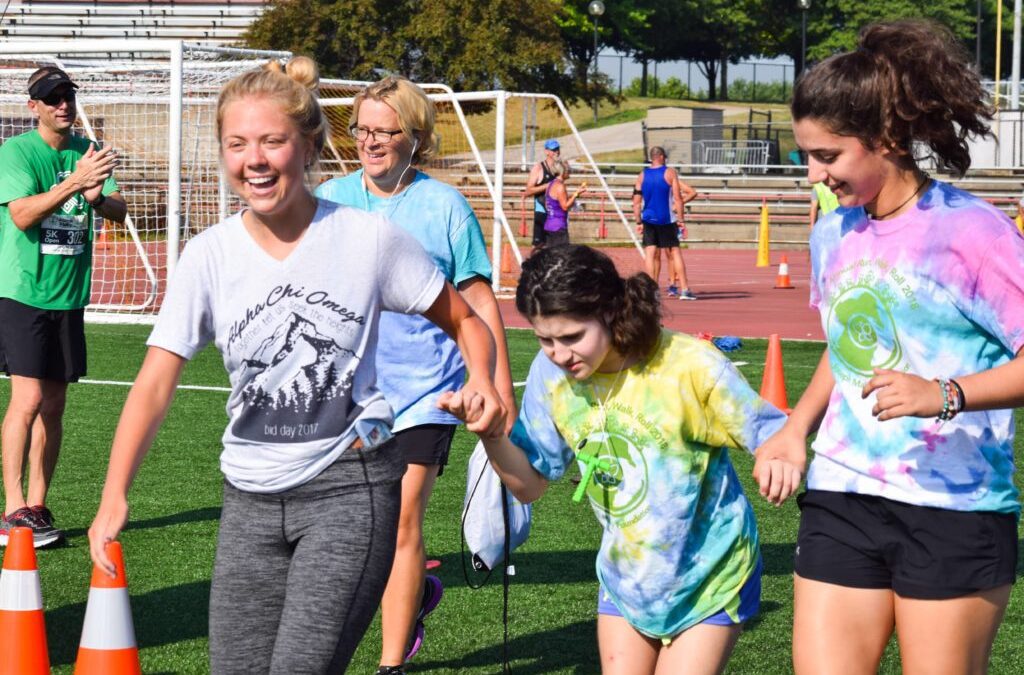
x=155 y=101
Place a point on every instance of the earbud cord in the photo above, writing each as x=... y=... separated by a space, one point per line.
x=392 y=206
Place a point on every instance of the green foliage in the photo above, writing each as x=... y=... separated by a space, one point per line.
x=673 y=87
x=347 y=38
x=483 y=44
x=832 y=25
x=748 y=90
x=837 y=22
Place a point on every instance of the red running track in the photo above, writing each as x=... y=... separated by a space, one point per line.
x=734 y=297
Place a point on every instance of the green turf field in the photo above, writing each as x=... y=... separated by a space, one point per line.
x=170 y=541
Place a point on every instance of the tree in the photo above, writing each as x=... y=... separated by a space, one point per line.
x=472 y=44
x=347 y=38
x=833 y=25
x=661 y=37
x=712 y=33
x=487 y=44
x=617 y=28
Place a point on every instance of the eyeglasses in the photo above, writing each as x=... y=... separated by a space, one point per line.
x=382 y=136
x=54 y=98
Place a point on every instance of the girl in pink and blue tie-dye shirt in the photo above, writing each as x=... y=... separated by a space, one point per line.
x=909 y=521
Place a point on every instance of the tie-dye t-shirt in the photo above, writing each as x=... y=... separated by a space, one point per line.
x=938 y=292
x=679 y=534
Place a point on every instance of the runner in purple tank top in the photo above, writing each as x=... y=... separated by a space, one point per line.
x=558 y=202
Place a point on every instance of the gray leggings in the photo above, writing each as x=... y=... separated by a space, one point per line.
x=299 y=574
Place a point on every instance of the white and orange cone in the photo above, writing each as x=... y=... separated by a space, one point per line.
x=782 y=280
x=108 y=637
x=21 y=609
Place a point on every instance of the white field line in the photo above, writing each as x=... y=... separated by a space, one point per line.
x=227 y=390
x=117 y=383
x=187 y=387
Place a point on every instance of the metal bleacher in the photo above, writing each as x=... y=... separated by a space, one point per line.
x=200 y=21
x=727 y=210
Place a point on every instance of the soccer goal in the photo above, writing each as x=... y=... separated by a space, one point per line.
x=155 y=101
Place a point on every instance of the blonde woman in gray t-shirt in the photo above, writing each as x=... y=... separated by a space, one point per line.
x=290 y=291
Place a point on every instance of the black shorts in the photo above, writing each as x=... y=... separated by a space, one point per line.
x=661 y=236
x=44 y=344
x=863 y=541
x=427 y=444
x=539 y=218
x=556 y=238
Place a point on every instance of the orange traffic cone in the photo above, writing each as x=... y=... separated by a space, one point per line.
x=506 y=258
x=101 y=238
x=108 y=637
x=782 y=280
x=21 y=609
x=773 y=385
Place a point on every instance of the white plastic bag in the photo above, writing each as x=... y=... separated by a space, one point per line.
x=482 y=520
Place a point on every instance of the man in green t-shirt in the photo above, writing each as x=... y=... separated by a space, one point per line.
x=51 y=185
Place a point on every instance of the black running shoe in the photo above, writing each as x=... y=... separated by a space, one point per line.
x=39 y=519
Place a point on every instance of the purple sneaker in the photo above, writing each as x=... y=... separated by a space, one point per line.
x=433 y=589
x=416 y=642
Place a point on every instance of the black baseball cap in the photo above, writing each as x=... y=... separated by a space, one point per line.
x=46 y=79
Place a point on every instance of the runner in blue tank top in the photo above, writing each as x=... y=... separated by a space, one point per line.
x=658 y=190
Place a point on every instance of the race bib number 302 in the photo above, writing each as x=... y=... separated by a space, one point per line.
x=64 y=235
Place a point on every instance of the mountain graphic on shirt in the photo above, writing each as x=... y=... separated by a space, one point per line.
x=296 y=368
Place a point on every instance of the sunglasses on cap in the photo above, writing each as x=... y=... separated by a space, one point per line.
x=54 y=98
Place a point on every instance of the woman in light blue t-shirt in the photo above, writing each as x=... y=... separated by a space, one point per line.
x=393 y=126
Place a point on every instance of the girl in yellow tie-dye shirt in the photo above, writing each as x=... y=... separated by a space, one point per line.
x=654 y=410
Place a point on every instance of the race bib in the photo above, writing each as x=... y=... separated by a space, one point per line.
x=64 y=235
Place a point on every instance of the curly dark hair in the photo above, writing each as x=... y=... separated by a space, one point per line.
x=582 y=282
x=907 y=81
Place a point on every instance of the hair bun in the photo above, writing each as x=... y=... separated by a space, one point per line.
x=303 y=70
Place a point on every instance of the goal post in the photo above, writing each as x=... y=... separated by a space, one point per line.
x=484 y=154
x=155 y=101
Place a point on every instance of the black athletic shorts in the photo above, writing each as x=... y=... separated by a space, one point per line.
x=661 y=236
x=44 y=344
x=556 y=238
x=539 y=218
x=427 y=444
x=863 y=541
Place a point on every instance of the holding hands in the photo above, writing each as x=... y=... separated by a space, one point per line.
x=779 y=465
x=479 y=406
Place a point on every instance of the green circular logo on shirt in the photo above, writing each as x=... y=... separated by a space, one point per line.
x=862 y=332
x=620 y=488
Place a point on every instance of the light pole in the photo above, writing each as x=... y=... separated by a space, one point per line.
x=804 y=6
x=596 y=9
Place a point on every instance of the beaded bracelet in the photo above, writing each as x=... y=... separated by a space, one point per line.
x=952 y=399
x=960 y=395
